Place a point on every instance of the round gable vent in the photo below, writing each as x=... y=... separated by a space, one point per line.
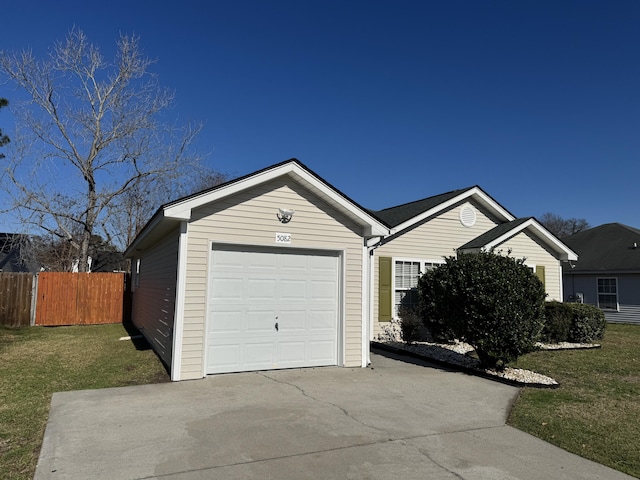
x=468 y=216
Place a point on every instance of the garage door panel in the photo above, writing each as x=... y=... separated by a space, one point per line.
x=293 y=290
x=261 y=321
x=323 y=290
x=260 y=289
x=321 y=351
x=259 y=356
x=291 y=321
x=229 y=289
x=291 y=354
x=322 y=320
x=227 y=322
x=251 y=291
x=224 y=356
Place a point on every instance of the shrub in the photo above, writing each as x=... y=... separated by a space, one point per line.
x=493 y=302
x=588 y=323
x=410 y=325
x=558 y=320
x=573 y=322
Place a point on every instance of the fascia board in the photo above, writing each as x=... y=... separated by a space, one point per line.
x=182 y=210
x=566 y=253
x=475 y=191
x=155 y=222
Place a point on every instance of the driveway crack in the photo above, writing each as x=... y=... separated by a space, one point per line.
x=326 y=402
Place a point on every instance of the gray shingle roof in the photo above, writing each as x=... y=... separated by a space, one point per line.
x=394 y=216
x=494 y=233
x=607 y=248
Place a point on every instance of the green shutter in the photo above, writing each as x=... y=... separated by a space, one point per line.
x=540 y=274
x=385 y=303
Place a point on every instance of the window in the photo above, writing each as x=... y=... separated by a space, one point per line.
x=406 y=275
x=608 y=293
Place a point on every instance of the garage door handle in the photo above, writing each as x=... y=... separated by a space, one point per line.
x=276 y=326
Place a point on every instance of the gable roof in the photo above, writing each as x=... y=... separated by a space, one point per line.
x=502 y=232
x=406 y=215
x=171 y=214
x=606 y=248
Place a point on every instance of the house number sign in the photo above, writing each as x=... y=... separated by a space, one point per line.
x=283 y=238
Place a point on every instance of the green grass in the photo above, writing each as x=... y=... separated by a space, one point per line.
x=595 y=412
x=38 y=361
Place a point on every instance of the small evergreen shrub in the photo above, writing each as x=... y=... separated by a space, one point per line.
x=493 y=302
x=558 y=321
x=573 y=322
x=588 y=323
x=410 y=325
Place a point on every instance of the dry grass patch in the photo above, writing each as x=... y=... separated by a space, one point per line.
x=38 y=361
x=596 y=411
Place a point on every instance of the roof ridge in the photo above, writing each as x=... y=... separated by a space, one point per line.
x=427 y=198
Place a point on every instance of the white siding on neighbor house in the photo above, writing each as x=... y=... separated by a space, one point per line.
x=154 y=294
x=628 y=294
x=434 y=240
x=536 y=253
x=249 y=218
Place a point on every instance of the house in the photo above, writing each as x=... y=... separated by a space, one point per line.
x=607 y=273
x=278 y=269
x=13 y=257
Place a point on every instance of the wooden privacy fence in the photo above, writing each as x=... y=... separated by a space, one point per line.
x=16 y=299
x=80 y=298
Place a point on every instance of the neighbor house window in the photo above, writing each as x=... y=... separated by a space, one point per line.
x=608 y=293
x=406 y=275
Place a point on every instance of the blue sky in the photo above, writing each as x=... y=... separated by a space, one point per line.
x=538 y=102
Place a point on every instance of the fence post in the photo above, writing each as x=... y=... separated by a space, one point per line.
x=34 y=299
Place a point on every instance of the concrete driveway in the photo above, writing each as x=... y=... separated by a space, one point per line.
x=396 y=420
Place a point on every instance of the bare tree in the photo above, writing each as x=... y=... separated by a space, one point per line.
x=562 y=227
x=130 y=213
x=91 y=134
x=4 y=139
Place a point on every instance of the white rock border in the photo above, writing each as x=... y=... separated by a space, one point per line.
x=455 y=355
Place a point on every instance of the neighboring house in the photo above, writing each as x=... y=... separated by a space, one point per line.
x=12 y=255
x=607 y=273
x=278 y=269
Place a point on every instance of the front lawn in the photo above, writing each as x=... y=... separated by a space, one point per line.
x=595 y=412
x=38 y=361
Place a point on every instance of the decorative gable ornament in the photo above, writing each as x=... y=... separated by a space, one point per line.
x=284 y=215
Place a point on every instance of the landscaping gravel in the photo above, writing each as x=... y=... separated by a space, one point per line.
x=457 y=354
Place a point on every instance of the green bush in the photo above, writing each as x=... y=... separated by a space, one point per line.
x=410 y=325
x=588 y=323
x=558 y=320
x=573 y=322
x=493 y=302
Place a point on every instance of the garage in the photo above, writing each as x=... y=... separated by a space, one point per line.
x=272 y=308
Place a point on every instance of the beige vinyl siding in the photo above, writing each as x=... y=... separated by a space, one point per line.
x=153 y=300
x=434 y=240
x=535 y=253
x=249 y=218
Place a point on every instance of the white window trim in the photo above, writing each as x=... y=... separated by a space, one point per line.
x=421 y=261
x=617 y=309
x=136 y=274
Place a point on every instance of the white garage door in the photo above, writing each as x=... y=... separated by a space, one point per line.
x=271 y=309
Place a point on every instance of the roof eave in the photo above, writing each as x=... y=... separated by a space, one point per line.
x=182 y=210
x=477 y=192
x=564 y=252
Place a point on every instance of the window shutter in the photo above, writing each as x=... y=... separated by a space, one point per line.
x=540 y=274
x=385 y=303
